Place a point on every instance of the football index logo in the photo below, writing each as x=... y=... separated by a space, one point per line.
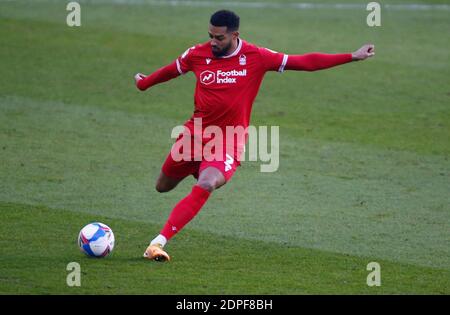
x=229 y=161
x=207 y=77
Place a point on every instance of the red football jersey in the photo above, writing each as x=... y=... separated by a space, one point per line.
x=227 y=86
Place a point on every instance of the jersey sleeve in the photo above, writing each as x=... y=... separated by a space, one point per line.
x=159 y=76
x=316 y=61
x=184 y=61
x=272 y=60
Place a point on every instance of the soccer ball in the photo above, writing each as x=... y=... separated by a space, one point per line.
x=96 y=240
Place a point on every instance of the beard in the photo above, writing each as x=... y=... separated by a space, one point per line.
x=222 y=52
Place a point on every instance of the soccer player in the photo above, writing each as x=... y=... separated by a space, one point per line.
x=229 y=72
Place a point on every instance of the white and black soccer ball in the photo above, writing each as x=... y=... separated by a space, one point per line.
x=96 y=240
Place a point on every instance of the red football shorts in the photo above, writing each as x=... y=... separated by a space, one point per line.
x=193 y=164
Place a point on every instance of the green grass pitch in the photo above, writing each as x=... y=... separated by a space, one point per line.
x=364 y=154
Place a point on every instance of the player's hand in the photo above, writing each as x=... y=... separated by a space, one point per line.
x=364 y=52
x=138 y=77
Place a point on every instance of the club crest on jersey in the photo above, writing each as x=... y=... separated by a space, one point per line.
x=208 y=61
x=242 y=60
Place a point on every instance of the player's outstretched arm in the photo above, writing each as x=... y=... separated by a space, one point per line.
x=319 y=61
x=161 y=75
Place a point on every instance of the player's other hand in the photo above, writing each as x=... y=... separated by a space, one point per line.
x=138 y=77
x=364 y=52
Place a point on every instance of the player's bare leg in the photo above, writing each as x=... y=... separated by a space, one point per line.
x=165 y=183
x=209 y=180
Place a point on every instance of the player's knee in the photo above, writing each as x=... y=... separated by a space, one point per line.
x=161 y=188
x=208 y=184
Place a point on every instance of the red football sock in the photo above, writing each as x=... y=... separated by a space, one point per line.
x=185 y=210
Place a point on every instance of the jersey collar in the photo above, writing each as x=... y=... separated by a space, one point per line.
x=236 y=51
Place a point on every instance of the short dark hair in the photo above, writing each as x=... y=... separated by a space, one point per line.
x=225 y=18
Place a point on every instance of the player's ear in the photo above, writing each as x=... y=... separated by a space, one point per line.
x=235 y=34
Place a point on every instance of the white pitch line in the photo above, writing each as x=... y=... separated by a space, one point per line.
x=274 y=5
x=263 y=5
